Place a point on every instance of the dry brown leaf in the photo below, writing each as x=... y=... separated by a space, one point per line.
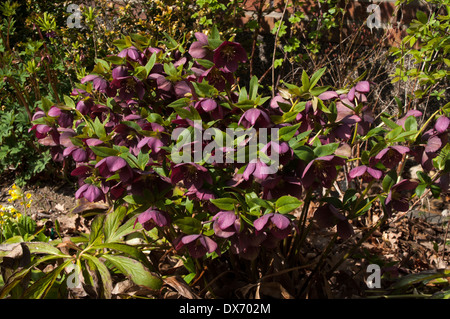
x=181 y=287
x=274 y=290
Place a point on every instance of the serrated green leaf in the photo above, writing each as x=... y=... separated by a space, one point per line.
x=135 y=270
x=96 y=228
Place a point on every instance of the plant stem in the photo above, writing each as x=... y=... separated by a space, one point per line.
x=358 y=244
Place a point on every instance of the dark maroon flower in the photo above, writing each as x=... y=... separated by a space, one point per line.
x=398 y=196
x=226 y=224
x=228 y=55
x=192 y=175
x=277 y=224
x=151 y=218
x=275 y=187
x=328 y=216
x=156 y=141
x=217 y=78
x=366 y=173
x=112 y=165
x=90 y=192
x=246 y=244
x=197 y=245
x=321 y=171
x=391 y=156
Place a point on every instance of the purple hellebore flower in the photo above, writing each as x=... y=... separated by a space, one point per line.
x=328 y=95
x=442 y=124
x=246 y=244
x=217 y=78
x=228 y=55
x=192 y=175
x=197 y=245
x=391 y=155
x=321 y=171
x=275 y=187
x=206 y=105
x=254 y=117
x=402 y=120
x=277 y=100
x=226 y=224
x=78 y=154
x=258 y=169
x=279 y=225
x=154 y=142
x=199 y=49
x=358 y=90
x=100 y=84
x=328 y=216
x=90 y=192
x=110 y=165
x=397 y=197
x=132 y=53
x=152 y=217
x=366 y=173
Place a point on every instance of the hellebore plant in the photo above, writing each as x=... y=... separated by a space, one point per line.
x=123 y=122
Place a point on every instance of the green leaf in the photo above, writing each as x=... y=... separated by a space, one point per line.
x=253 y=89
x=150 y=64
x=316 y=76
x=104 y=151
x=37 y=248
x=305 y=153
x=40 y=288
x=105 y=275
x=96 y=228
x=225 y=203
x=113 y=221
x=286 y=133
x=135 y=270
x=422 y=17
x=131 y=251
x=189 y=225
x=124 y=230
x=286 y=204
x=69 y=102
x=326 y=149
x=305 y=81
x=389 y=180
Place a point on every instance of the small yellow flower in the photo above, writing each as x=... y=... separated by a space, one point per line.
x=28 y=195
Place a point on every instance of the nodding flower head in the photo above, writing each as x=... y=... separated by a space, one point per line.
x=228 y=55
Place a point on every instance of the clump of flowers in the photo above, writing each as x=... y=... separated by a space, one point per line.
x=17 y=195
x=146 y=131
